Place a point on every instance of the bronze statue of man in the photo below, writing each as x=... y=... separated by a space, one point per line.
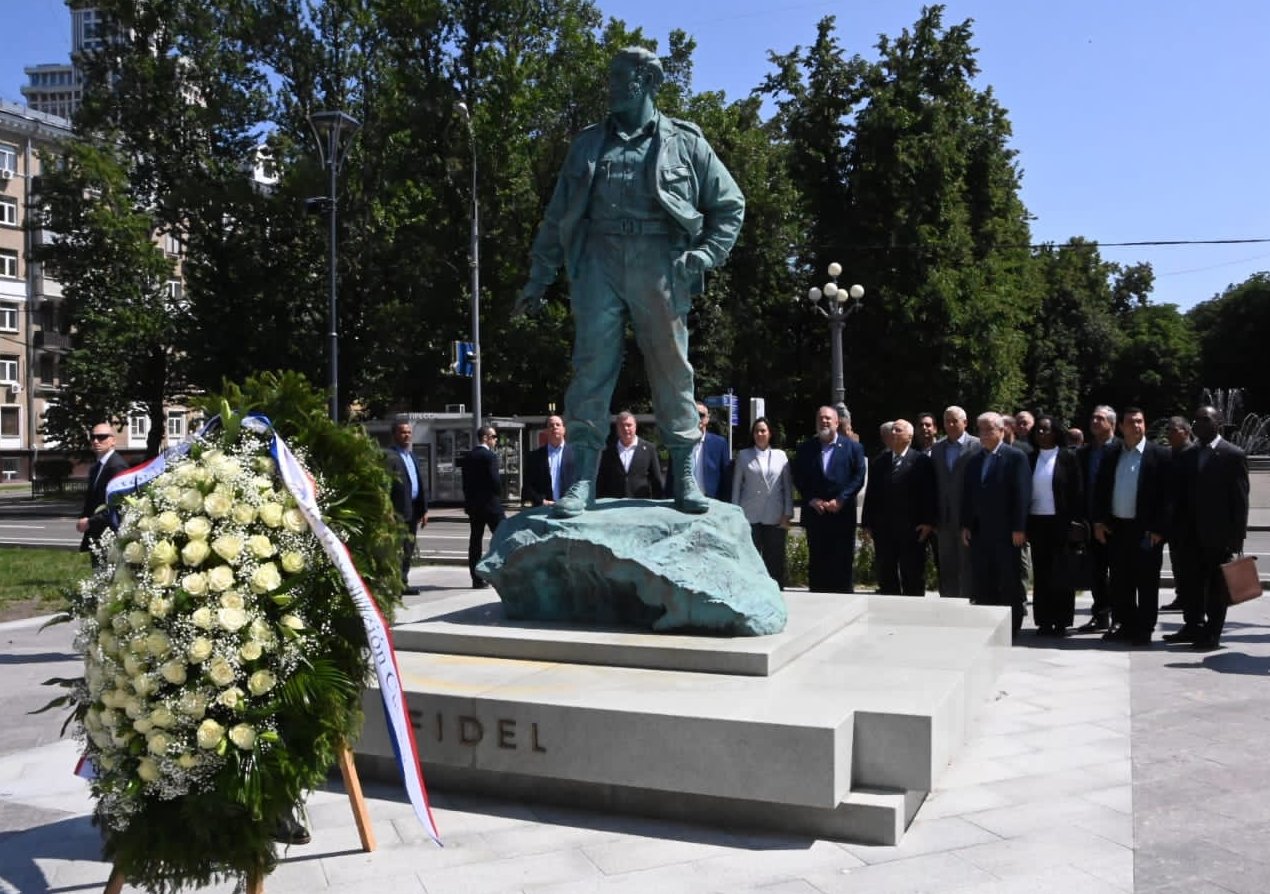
x=641 y=210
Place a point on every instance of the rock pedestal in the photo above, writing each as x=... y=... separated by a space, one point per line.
x=636 y=562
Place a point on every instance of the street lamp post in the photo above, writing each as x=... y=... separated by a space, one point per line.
x=333 y=130
x=836 y=304
x=474 y=263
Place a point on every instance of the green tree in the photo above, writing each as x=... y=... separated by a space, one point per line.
x=1233 y=330
x=1156 y=365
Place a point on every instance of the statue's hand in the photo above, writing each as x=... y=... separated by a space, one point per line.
x=692 y=263
x=531 y=300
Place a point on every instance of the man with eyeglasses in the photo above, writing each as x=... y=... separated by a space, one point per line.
x=95 y=518
x=711 y=462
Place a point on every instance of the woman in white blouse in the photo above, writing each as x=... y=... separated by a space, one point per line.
x=764 y=490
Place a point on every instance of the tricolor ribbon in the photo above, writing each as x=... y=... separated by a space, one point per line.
x=302 y=487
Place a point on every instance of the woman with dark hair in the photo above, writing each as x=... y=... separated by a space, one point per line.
x=764 y=490
x=1057 y=502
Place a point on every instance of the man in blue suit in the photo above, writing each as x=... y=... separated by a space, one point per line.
x=829 y=472
x=994 y=506
x=711 y=462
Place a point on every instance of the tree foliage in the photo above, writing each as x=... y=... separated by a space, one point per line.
x=1233 y=331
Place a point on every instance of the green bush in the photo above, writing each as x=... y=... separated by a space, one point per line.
x=797 y=559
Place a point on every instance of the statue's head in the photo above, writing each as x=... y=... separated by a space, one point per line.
x=635 y=73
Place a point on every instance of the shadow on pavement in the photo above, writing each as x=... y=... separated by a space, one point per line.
x=72 y=839
x=39 y=658
x=1231 y=663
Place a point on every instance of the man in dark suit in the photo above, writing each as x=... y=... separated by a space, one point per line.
x=711 y=462
x=829 y=472
x=899 y=513
x=550 y=468
x=1133 y=509
x=408 y=494
x=482 y=495
x=95 y=518
x=994 y=505
x=949 y=457
x=1103 y=443
x=629 y=467
x=1212 y=517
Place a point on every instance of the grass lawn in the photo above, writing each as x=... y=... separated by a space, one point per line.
x=31 y=580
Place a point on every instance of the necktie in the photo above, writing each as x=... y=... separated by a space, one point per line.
x=988 y=460
x=951 y=452
x=1205 y=453
x=92 y=481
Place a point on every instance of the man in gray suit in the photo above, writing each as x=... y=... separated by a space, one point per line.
x=950 y=456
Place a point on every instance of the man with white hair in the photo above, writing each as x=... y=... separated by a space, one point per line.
x=996 y=494
x=899 y=513
x=1103 y=443
x=950 y=457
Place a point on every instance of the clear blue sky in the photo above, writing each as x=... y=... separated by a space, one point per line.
x=1134 y=119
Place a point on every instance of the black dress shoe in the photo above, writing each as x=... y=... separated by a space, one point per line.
x=1174 y=606
x=1206 y=644
x=1142 y=640
x=291 y=831
x=409 y=591
x=1045 y=630
x=1060 y=632
x=478 y=584
x=1118 y=634
x=1185 y=635
x=1093 y=625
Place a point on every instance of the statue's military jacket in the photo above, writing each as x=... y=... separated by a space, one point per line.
x=691 y=184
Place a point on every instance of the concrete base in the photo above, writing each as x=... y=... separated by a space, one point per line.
x=836 y=728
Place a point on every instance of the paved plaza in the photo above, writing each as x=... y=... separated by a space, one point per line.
x=1093 y=769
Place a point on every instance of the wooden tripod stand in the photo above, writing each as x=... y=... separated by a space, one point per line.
x=256 y=880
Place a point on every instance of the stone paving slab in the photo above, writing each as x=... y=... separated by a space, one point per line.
x=1092 y=769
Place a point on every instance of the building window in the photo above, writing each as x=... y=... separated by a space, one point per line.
x=10 y=423
x=8 y=318
x=138 y=426
x=8 y=211
x=176 y=425
x=171 y=244
x=9 y=264
x=8 y=158
x=8 y=369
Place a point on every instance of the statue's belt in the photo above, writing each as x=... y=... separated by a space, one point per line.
x=632 y=227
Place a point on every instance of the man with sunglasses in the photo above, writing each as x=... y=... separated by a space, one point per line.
x=95 y=518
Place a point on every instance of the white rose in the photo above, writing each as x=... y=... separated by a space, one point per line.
x=138 y=620
x=261 y=632
x=260 y=546
x=263 y=481
x=119 y=624
x=232 y=599
x=134 y=552
x=133 y=708
x=292 y=561
x=183 y=473
x=168 y=522
x=158 y=644
x=243 y=736
x=142 y=725
x=220 y=578
x=163 y=553
x=109 y=718
x=174 y=672
x=195 y=553
x=162 y=717
x=293 y=521
x=171 y=493
x=291 y=622
x=221 y=671
x=108 y=643
x=146 y=525
x=210 y=733
x=160 y=607
x=265 y=578
x=250 y=650
x=164 y=576
x=261 y=682
x=271 y=514
x=200 y=650
x=243 y=513
x=229 y=547
x=191 y=704
x=148 y=770
x=217 y=504
x=198 y=528
x=191 y=500
x=229 y=470
x=202 y=475
x=133 y=664
x=188 y=761
x=158 y=743
x=202 y=618
x=194 y=583
x=231 y=698
x=145 y=685
x=232 y=619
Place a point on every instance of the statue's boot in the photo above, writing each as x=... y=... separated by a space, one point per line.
x=581 y=494
x=688 y=495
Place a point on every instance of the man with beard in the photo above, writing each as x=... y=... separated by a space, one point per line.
x=829 y=472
